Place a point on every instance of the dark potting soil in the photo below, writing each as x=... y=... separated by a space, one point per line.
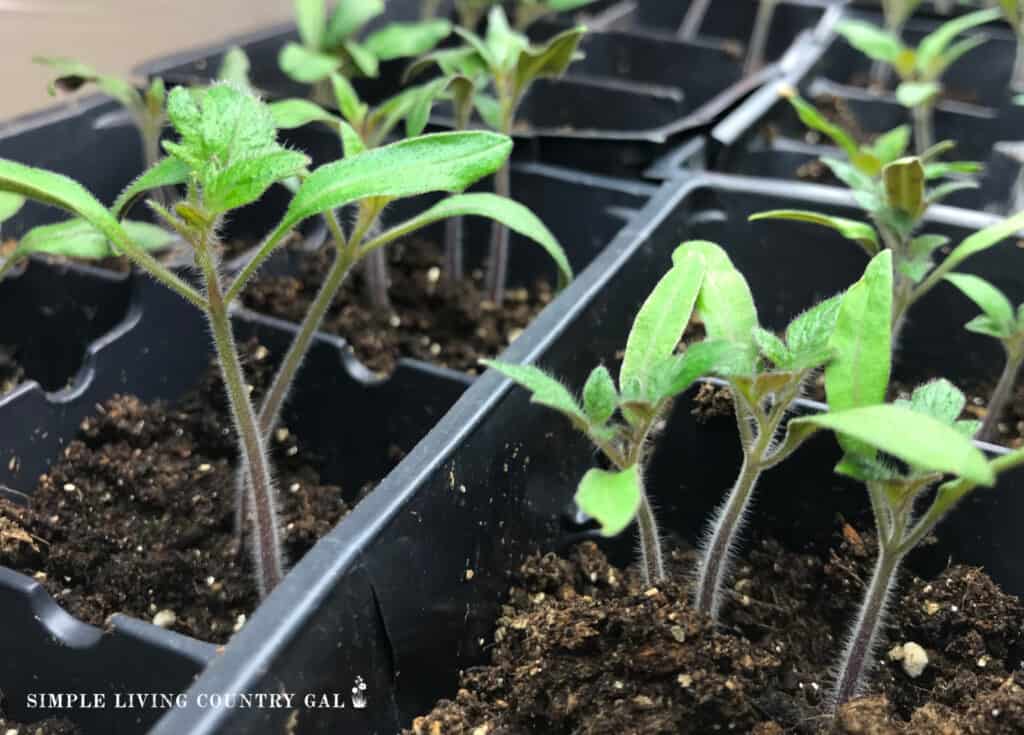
x=583 y=647
x=11 y=372
x=137 y=515
x=452 y=328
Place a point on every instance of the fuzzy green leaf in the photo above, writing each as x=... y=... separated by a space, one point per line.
x=871 y=40
x=311 y=18
x=400 y=40
x=676 y=373
x=600 y=399
x=365 y=61
x=892 y=145
x=861 y=340
x=989 y=299
x=928 y=445
x=771 y=346
x=938 y=399
x=349 y=104
x=76 y=238
x=725 y=302
x=508 y=212
x=545 y=390
x=549 y=60
x=294 y=113
x=809 y=335
x=610 y=498
x=305 y=65
x=661 y=320
x=165 y=172
x=860 y=232
x=348 y=17
x=915 y=94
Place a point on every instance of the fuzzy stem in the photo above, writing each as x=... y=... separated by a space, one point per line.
x=497 y=267
x=453 y=261
x=693 y=19
x=1001 y=395
x=262 y=496
x=857 y=657
x=924 y=135
x=759 y=37
x=903 y=291
x=653 y=564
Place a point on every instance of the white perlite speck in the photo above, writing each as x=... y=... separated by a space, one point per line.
x=913 y=657
x=165 y=619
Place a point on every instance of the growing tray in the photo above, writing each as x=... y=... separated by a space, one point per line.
x=404 y=593
x=613 y=112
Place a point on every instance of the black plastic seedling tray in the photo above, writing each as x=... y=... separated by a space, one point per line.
x=404 y=593
x=614 y=112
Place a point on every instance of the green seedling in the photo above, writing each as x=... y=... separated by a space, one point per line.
x=920 y=69
x=227 y=157
x=694 y=19
x=361 y=127
x=1000 y=320
x=763 y=385
x=510 y=64
x=328 y=42
x=145 y=107
x=620 y=420
x=525 y=12
x=1013 y=11
x=895 y=192
x=899 y=451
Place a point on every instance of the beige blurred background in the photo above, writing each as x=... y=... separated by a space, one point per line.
x=111 y=35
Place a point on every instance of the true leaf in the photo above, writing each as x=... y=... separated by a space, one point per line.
x=976 y=243
x=294 y=113
x=725 y=302
x=934 y=45
x=348 y=17
x=234 y=67
x=915 y=94
x=771 y=346
x=871 y=40
x=305 y=65
x=364 y=59
x=814 y=120
x=809 y=335
x=610 y=498
x=939 y=399
x=600 y=399
x=892 y=145
x=549 y=60
x=676 y=373
x=311 y=18
x=921 y=441
x=165 y=172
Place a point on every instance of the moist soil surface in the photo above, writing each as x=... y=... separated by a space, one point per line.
x=451 y=327
x=583 y=647
x=137 y=515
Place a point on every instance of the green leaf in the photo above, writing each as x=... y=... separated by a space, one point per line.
x=949 y=168
x=304 y=65
x=505 y=44
x=545 y=390
x=351 y=143
x=919 y=260
x=294 y=113
x=892 y=145
x=919 y=440
x=854 y=178
x=860 y=232
x=954 y=52
x=904 y=186
x=982 y=324
x=809 y=335
x=989 y=299
x=400 y=40
x=934 y=45
x=489 y=109
x=437 y=162
x=349 y=104
x=76 y=238
x=976 y=243
x=676 y=373
x=165 y=172
x=10 y=204
x=915 y=94
x=771 y=346
x=600 y=399
x=348 y=17
x=477 y=44
x=814 y=120
x=725 y=302
x=939 y=149
x=73 y=74
x=508 y=212
x=549 y=60
x=362 y=57
x=610 y=498
x=939 y=399
x=861 y=340
x=234 y=68
x=661 y=320
x=871 y=40
x=942 y=191
x=311 y=18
